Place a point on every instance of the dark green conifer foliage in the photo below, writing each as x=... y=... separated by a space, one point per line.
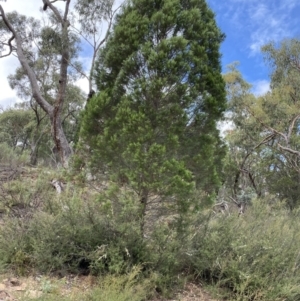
x=153 y=123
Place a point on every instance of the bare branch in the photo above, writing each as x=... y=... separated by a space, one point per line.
x=49 y=4
x=8 y=25
x=109 y=27
x=291 y=127
x=70 y=113
x=96 y=48
x=241 y=168
x=78 y=70
x=289 y=150
x=82 y=35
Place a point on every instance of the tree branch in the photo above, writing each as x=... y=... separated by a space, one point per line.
x=49 y=4
x=291 y=127
x=237 y=176
x=24 y=62
x=289 y=150
x=8 y=25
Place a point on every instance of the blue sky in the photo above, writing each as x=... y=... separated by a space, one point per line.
x=249 y=24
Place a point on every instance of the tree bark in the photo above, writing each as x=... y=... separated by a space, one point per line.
x=62 y=145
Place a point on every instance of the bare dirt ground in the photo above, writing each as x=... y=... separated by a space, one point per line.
x=191 y=292
x=30 y=288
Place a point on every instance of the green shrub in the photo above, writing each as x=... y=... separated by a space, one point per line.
x=75 y=234
x=255 y=256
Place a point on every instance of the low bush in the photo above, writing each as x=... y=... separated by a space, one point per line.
x=83 y=232
x=252 y=257
x=255 y=257
x=72 y=233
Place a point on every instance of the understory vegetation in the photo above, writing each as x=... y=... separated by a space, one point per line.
x=95 y=230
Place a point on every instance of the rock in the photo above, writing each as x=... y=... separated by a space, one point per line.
x=2 y=287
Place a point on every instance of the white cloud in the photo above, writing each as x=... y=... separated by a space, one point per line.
x=260 y=87
x=257 y=22
x=268 y=23
x=225 y=125
x=83 y=84
x=28 y=8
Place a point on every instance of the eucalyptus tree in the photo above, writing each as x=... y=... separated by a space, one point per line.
x=265 y=141
x=41 y=136
x=47 y=54
x=278 y=115
x=280 y=110
x=16 y=127
x=244 y=139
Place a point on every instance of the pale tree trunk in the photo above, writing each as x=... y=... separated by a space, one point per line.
x=54 y=112
x=59 y=137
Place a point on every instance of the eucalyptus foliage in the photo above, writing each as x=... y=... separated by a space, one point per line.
x=264 y=143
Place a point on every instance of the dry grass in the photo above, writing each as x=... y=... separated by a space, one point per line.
x=71 y=286
x=191 y=292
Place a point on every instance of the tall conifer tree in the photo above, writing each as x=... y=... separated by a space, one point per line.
x=153 y=123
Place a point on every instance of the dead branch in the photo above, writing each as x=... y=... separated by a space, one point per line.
x=291 y=127
x=221 y=207
x=240 y=205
